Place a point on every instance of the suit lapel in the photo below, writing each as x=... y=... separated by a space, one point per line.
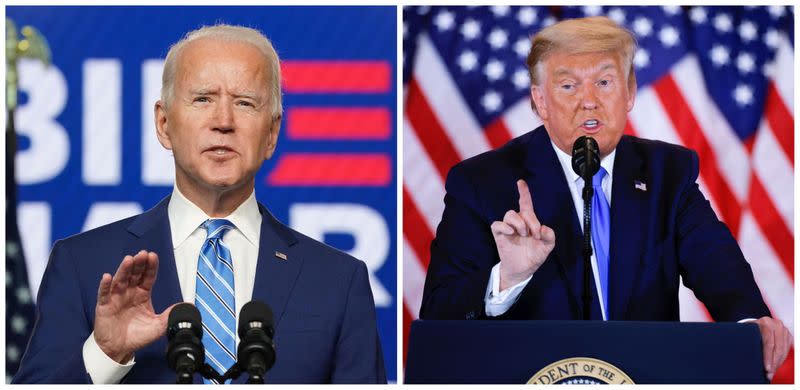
x=629 y=222
x=552 y=201
x=279 y=264
x=152 y=233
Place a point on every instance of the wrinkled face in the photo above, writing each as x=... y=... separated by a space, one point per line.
x=583 y=94
x=219 y=125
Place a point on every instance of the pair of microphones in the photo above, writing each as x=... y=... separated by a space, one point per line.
x=255 y=355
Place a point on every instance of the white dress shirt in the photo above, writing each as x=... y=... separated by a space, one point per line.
x=498 y=302
x=185 y=220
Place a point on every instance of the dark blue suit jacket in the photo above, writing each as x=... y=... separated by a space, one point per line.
x=657 y=235
x=324 y=312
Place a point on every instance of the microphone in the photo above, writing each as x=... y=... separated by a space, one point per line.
x=256 y=349
x=185 y=352
x=585 y=158
x=586 y=162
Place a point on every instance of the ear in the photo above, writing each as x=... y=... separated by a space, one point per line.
x=160 y=113
x=272 y=139
x=631 y=95
x=538 y=99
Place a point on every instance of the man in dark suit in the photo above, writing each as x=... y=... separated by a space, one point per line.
x=220 y=115
x=489 y=260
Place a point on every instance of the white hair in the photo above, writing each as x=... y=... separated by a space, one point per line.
x=225 y=33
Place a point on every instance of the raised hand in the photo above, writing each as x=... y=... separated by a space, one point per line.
x=124 y=317
x=522 y=242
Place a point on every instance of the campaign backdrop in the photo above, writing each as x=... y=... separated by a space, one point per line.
x=87 y=152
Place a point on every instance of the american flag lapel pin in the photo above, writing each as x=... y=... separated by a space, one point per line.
x=639 y=185
x=281 y=255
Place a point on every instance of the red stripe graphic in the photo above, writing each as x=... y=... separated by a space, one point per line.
x=780 y=121
x=336 y=76
x=429 y=130
x=497 y=133
x=692 y=136
x=771 y=223
x=340 y=169
x=339 y=123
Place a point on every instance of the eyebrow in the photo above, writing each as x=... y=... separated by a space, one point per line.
x=562 y=72
x=208 y=91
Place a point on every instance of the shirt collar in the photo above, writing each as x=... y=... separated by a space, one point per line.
x=566 y=163
x=185 y=217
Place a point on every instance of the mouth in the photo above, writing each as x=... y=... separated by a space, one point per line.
x=591 y=126
x=220 y=152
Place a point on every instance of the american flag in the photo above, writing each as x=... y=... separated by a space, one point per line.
x=718 y=80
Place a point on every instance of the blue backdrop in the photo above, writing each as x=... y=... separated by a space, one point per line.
x=87 y=156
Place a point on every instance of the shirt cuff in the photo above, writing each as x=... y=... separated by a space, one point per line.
x=746 y=320
x=101 y=368
x=498 y=302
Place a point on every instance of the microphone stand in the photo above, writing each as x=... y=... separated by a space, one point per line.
x=588 y=192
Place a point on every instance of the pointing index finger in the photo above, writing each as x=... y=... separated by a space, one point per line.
x=525 y=202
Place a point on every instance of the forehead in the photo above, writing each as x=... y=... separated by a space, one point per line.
x=558 y=63
x=208 y=57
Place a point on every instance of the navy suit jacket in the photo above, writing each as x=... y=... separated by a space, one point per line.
x=325 y=325
x=658 y=234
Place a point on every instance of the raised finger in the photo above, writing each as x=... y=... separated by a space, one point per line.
x=150 y=273
x=525 y=201
x=139 y=265
x=104 y=289
x=515 y=220
x=120 y=280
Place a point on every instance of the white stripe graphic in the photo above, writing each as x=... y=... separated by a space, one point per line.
x=520 y=118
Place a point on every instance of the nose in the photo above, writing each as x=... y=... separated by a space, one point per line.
x=588 y=97
x=223 y=117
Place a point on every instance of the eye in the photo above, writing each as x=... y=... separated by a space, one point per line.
x=201 y=99
x=245 y=103
x=567 y=87
x=604 y=83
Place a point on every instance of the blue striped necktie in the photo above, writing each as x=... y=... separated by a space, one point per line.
x=215 y=299
x=601 y=233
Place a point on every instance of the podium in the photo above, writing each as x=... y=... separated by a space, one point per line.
x=549 y=352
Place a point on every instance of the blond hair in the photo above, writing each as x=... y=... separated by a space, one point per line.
x=579 y=36
x=225 y=33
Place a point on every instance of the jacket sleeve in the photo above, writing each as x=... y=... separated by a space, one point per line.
x=54 y=353
x=462 y=256
x=710 y=260
x=359 y=358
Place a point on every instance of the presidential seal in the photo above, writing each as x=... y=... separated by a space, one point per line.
x=580 y=371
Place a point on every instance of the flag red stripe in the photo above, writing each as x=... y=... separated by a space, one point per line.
x=336 y=76
x=780 y=121
x=785 y=373
x=415 y=230
x=692 y=136
x=334 y=123
x=340 y=169
x=772 y=224
x=497 y=133
x=429 y=130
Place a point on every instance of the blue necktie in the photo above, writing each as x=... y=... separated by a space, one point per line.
x=215 y=299
x=601 y=232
